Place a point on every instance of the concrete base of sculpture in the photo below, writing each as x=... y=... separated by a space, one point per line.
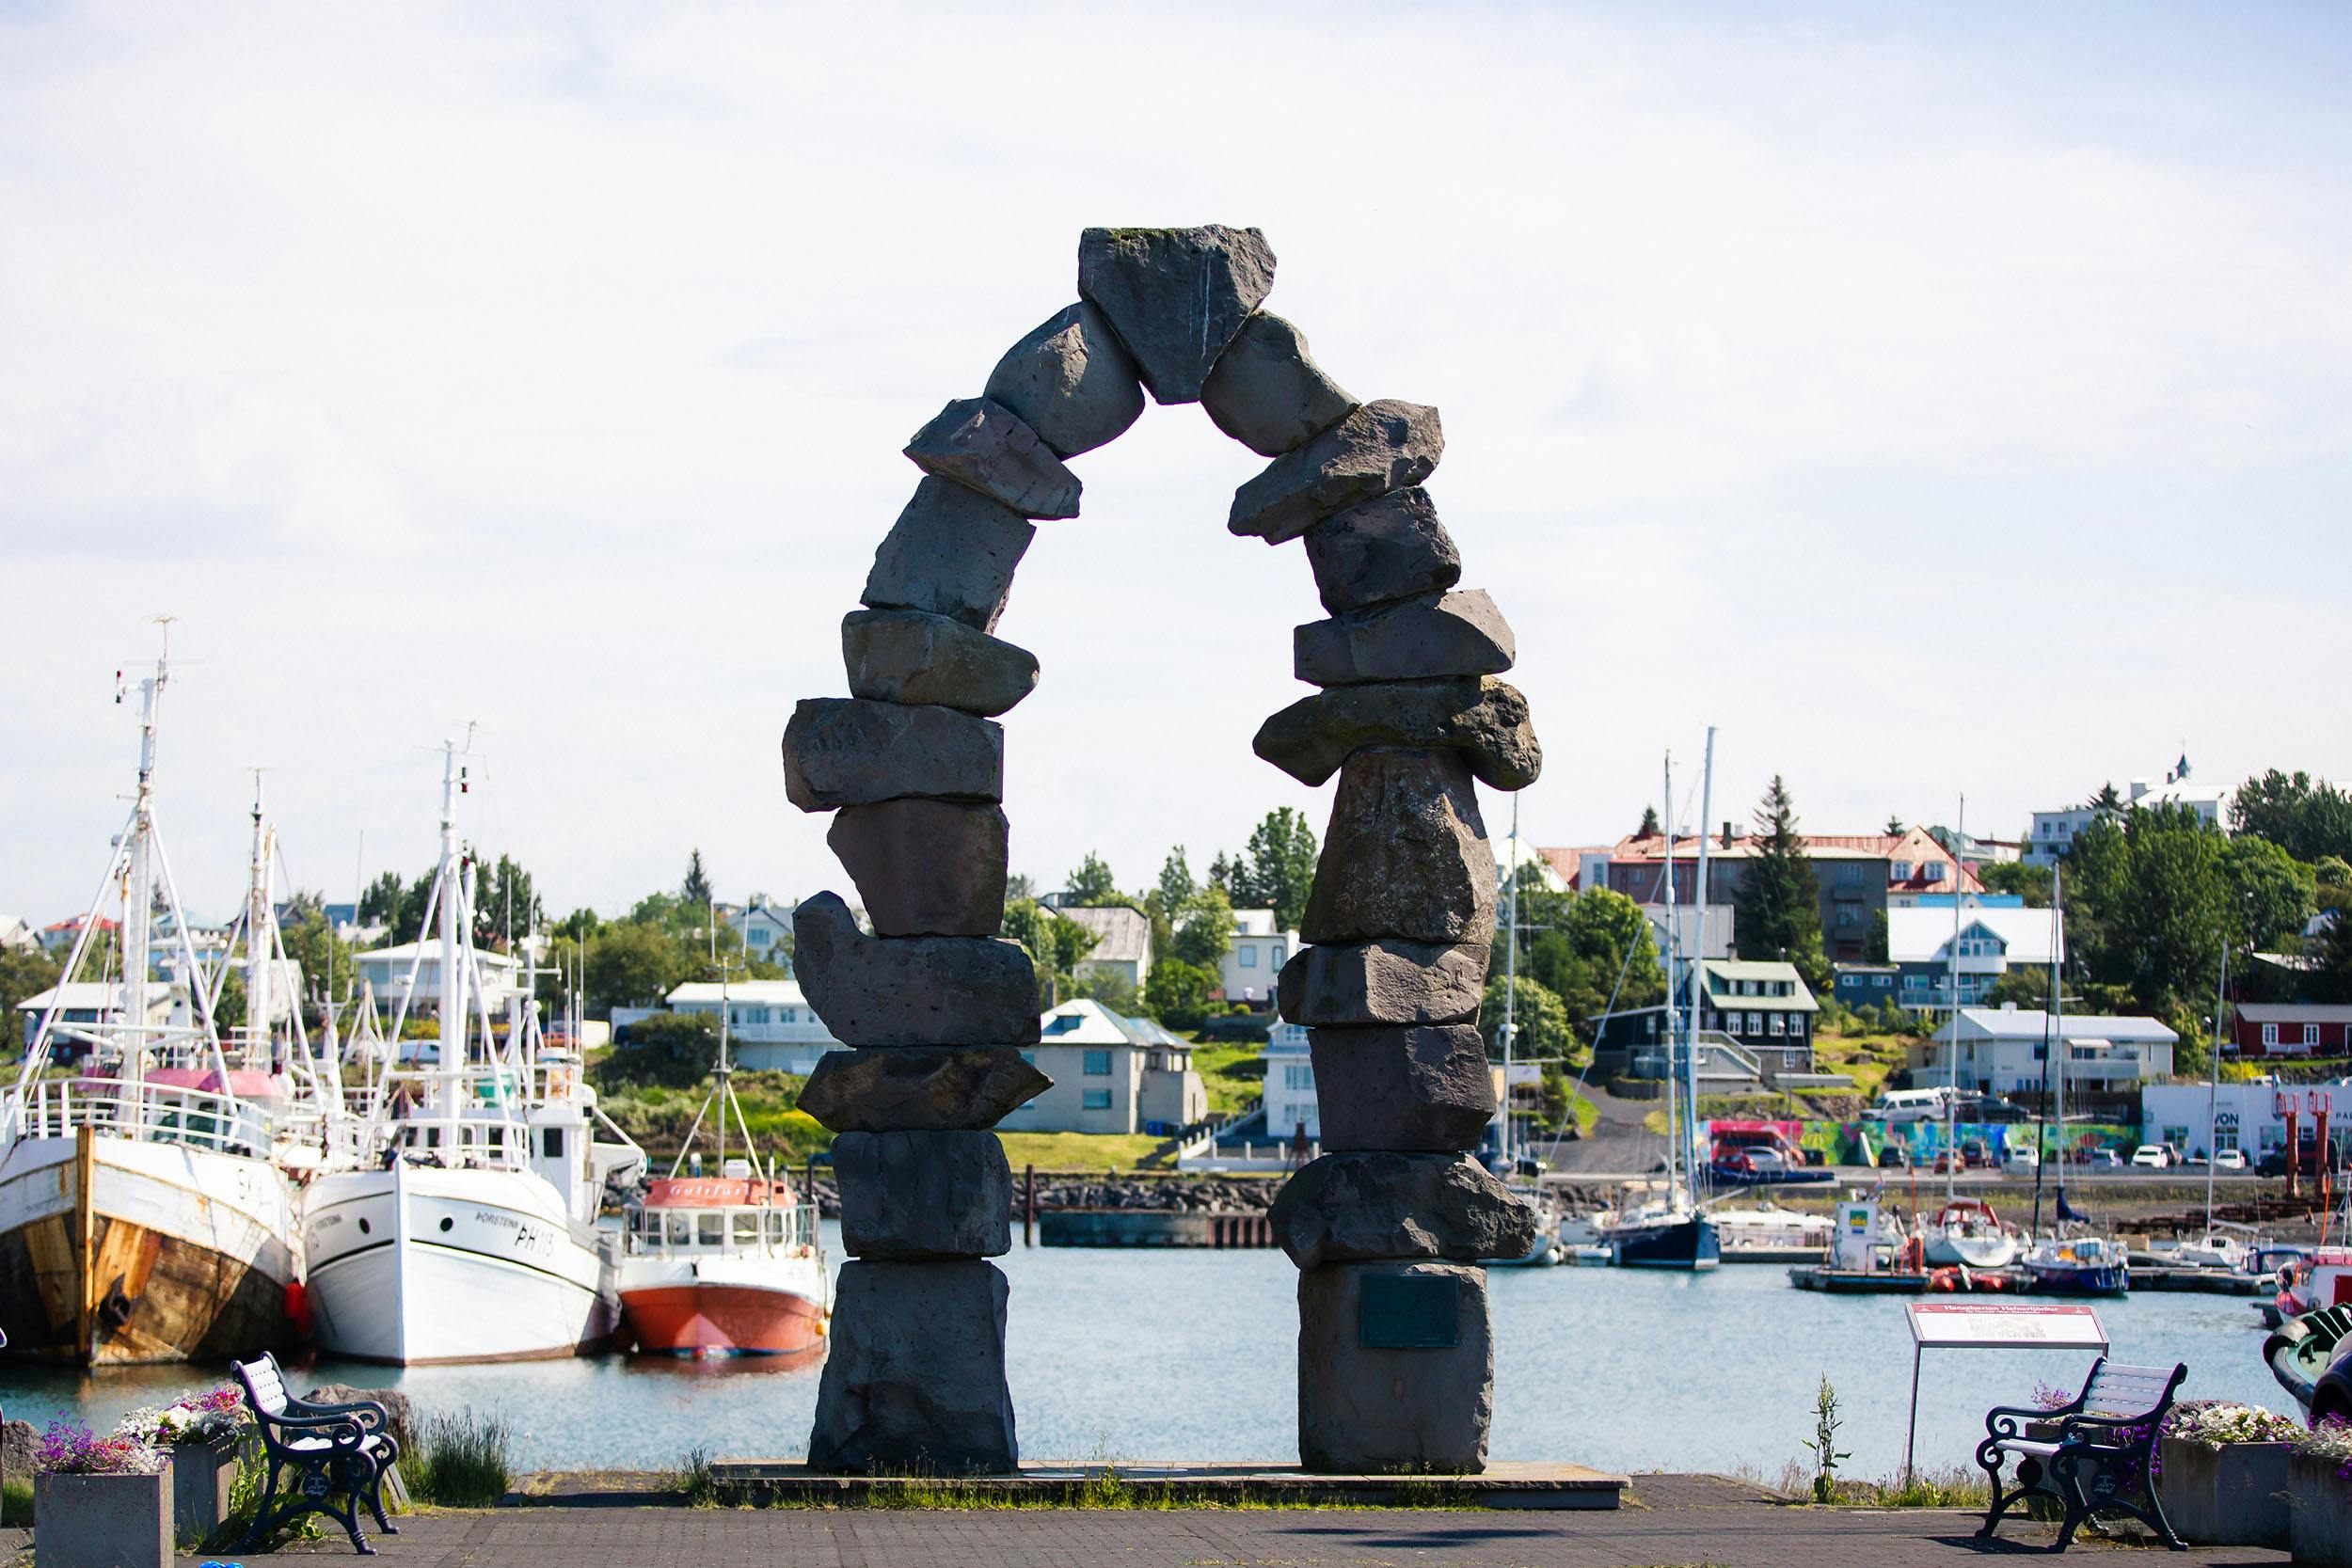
x=1395 y=1368
x=915 y=1380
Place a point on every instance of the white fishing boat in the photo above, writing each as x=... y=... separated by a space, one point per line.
x=1966 y=1231
x=145 y=1212
x=1768 y=1233
x=465 y=1229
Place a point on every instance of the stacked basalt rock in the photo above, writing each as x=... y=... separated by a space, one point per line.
x=935 y=1005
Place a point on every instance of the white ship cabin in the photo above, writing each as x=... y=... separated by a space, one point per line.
x=736 y=1214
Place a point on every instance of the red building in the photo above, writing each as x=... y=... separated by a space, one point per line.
x=2292 y=1029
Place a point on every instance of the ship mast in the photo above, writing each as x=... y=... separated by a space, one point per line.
x=1674 y=1075
x=1698 y=968
x=453 y=965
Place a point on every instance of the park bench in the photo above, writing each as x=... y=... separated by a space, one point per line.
x=330 y=1450
x=2095 y=1453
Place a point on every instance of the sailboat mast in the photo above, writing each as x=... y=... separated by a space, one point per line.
x=2212 y=1086
x=1510 y=984
x=1673 y=1073
x=138 y=884
x=2058 y=1029
x=258 y=922
x=453 y=967
x=1951 y=981
x=1698 y=969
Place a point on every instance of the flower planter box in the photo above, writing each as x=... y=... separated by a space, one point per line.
x=202 y=1475
x=2232 y=1496
x=2320 y=1512
x=103 y=1521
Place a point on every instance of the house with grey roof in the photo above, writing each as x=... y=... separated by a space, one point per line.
x=2004 y=1050
x=1111 y=1073
x=1123 y=942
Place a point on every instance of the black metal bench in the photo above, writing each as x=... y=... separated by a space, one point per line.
x=2099 y=1455
x=331 y=1450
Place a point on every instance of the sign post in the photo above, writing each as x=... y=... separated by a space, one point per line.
x=1993 y=1326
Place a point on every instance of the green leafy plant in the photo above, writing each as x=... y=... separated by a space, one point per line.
x=1826 y=1454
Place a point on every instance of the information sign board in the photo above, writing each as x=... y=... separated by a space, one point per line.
x=2021 y=1325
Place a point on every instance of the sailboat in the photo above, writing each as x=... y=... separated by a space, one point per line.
x=465 y=1231
x=1673 y=1233
x=726 y=1265
x=2223 y=1246
x=142 y=1215
x=2060 y=1264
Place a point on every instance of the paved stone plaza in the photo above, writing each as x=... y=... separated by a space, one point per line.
x=1669 y=1520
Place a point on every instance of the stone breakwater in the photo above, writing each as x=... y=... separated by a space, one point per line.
x=1178 y=1195
x=1389 y=1228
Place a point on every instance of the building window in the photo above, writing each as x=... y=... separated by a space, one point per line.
x=1298 y=1078
x=1098 y=1100
x=1755 y=1023
x=1248 y=957
x=1275 y=957
x=2311 y=1034
x=1779 y=1025
x=1098 y=1064
x=551 y=1143
x=2270 y=1033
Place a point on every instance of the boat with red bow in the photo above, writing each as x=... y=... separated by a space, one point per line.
x=723 y=1265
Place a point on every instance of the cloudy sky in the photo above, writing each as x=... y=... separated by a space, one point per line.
x=1936 y=399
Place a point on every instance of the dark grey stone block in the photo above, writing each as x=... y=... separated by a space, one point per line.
x=1404 y=1086
x=928 y=1088
x=912 y=1195
x=951 y=552
x=1405 y=855
x=1175 y=296
x=1383 y=982
x=913 y=656
x=1426 y=639
x=910 y=991
x=1381 y=447
x=986 y=447
x=1373 y=1409
x=915 y=1377
x=1359 y=1206
x=1485 y=719
x=843 y=751
x=1267 y=392
x=1072 y=380
x=1388 y=548
x=925 y=868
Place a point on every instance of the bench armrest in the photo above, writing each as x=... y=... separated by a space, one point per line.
x=340 y=1430
x=362 y=1408
x=2062 y=1413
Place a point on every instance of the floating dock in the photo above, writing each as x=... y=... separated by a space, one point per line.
x=1886 y=1282
x=2211 y=1282
x=1153 y=1228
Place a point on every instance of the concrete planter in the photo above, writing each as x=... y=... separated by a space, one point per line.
x=103 y=1521
x=2234 y=1496
x=2320 y=1512
x=202 y=1474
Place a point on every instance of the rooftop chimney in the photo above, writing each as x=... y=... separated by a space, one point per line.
x=2139 y=788
x=1726 y=835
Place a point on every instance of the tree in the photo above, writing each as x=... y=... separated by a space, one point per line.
x=396 y=906
x=695 y=888
x=2309 y=818
x=2332 y=872
x=323 y=956
x=1091 y=883
x=22 y=972
x=1176 y=885
x=676 y=1049
x=2108 y=801
x=1179 y=995
x=1018 y=888
x=1204 y=929
x=634 y=965
x=1874 y=946
x=1221 y=871
x=1539 y=1018
x=1895 y=828
x=1650 y=828
x=2331 y=980
x=1277 y=869
x=2269 y=894
x=504 y=902
x=1778 y=902
x=1577 y=945
x=2029 y=883
x=1055 y=944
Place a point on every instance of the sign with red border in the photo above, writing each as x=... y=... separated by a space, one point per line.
x=2007 y=1324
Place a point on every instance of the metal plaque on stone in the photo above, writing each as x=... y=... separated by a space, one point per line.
x=1403 y=1312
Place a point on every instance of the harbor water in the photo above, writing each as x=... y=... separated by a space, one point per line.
x=1138 y=1355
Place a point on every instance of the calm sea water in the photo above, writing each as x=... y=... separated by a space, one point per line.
x=1190 y=1354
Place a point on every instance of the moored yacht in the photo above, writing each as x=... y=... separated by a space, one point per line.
x=464 y=1227
x=1967 y=1232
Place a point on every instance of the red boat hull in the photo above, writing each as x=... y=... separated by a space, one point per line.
x=722 y=1319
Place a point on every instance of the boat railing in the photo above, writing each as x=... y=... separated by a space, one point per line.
x=144 y=1112
x=782 y=1230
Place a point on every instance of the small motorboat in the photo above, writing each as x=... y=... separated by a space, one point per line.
x=1665 y=1236
x=2216 y=1249
x=1768 y=1233
x=729 y=1266
x=1966 y=1233
x=2083 y=1266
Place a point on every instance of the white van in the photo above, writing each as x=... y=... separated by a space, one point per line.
x=1897 y=1106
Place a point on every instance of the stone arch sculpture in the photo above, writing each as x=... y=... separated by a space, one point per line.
x=1387 y=1228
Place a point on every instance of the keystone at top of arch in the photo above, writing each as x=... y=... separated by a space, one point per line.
x=1176 y=297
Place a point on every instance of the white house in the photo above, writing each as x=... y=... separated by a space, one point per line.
x=2001 y=1051
x=1111 y=1074
x=770 y=1024
x=17 y=934
x=1290 y=1085
x=1255 y=955
x=89 y=1003
x=1123 y=942
x=767 y=930
x=2054 y=832
x=387 y=971
x=1920 y=944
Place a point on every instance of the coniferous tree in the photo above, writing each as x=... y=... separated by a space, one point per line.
x=1279 y=867
x=1091 y=882
x=1778 y=904
x=696 y=888
x=1895 y=828
x=1650 y=828
x=1221 y=871
x=1176 y=885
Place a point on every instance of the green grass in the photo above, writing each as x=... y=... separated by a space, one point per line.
x=1587 y=1115
x=1865 y=1058
x=1233 y=1074
x=1949 y=1486
x=460 y=1460
x=16 y=1501
x=1076 y=1150
x=658 y=1117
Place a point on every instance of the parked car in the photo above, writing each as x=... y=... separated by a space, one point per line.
x=1977 y=1152
x=2098 y=1159
x=2021 y=1157
x=2307 y=1161
x=1897 y=1106
x=2230 y=1159
x=1896 y=1156
x=2151 y=1157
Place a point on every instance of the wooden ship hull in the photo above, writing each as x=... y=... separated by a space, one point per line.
x=115 y=1252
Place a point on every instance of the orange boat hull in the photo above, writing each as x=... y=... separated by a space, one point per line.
x=722 y=1319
